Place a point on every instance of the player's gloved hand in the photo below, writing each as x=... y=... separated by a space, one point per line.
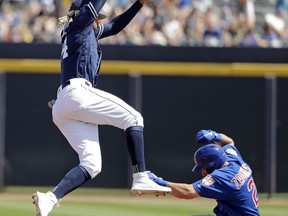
x=156 y=179
x=207 y=136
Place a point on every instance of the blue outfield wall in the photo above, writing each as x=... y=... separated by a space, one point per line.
x=174 y=109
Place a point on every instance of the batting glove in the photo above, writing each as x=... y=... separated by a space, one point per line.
x=156 y=179
x=208 y=136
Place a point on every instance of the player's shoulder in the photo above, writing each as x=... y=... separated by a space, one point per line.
x=84 y=19
x=231 y=150
x=226 y=170
x=224 y=175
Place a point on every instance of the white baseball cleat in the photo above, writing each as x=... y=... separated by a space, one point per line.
x=143 y=185
x=44 y=202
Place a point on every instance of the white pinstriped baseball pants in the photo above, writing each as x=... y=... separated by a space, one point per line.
x=78 y=111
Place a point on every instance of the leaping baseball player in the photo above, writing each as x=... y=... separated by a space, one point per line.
x=80 y=106
x=227 y=178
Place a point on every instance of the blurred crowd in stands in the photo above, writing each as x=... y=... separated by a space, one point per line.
x=213 y=23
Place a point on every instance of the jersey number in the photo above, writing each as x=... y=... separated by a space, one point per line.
x=251 y=185
x=64 y=49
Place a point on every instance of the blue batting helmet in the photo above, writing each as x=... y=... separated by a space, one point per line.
x=210 y=156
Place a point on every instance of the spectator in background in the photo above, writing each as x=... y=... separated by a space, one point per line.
x=10 y=21
x=270 y=37
x=212 y=36
x=44 y=22
x=28 y=22
x=282 y=5
x=194 y=28
x=247 y=8
x=162 y=23
x=284 y=37
x=202 y=5
x=174 y=32
x=276 y=20
x=250 y=38
x=226 y=17
x=153 y=26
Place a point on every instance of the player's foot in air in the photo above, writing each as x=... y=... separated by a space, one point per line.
x=44 y=202
x=143 y=185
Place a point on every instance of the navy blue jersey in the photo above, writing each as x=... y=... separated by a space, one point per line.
x=81 y=54
x=232 y=186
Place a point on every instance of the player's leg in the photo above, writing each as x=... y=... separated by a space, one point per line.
x=141 y=182
x=95 y=106
x=84 y=140
x=106 y=109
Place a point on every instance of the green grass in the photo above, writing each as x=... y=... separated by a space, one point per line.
x=16 y=201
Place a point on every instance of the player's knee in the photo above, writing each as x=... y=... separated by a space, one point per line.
x=94 y=173
x=92 y=170
x=93 y=167
x=140 y=120
x=136 y=121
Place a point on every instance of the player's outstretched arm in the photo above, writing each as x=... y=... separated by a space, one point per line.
x=225 y=140
x=182 y=190
x=118 y=23
x=179 y=190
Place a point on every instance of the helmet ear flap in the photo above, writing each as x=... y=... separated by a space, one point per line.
x=210 y=167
